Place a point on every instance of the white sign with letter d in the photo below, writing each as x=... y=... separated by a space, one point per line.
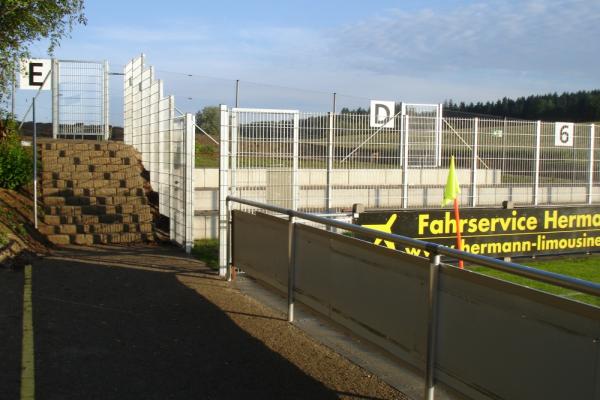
x=382 y=114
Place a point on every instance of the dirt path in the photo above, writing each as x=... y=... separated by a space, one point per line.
x=149 y=323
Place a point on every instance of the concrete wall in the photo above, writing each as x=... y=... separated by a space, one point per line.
x=374 y=189
x=495 y=340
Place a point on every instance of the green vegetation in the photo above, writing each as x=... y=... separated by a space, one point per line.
x=582 y=106
x=209 y=120
x=207 y=156
x=586 y=268
x=207 y=250
x=24 y=22
x=3 y=239
x=16 y=161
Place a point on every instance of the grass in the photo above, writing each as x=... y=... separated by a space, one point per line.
x=207 y=156
x=207 y=250
x=586 y=268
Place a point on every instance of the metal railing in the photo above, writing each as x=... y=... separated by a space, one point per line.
x=435 y=251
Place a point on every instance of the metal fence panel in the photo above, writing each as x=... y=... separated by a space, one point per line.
x=80 y=99
x=341 y=160
x=166 y=143
x=325 y=162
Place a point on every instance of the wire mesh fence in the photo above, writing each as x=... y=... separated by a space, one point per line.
x=325 y=162
x=80 y=99
x=166 y=144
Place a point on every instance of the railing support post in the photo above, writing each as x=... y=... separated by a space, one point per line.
x=432 y=320
x=291 y=267
x=229 y=260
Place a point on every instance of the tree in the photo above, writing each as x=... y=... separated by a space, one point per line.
x=209 y=119
x=23 y=22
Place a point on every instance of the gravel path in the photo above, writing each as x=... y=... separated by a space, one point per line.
x=147 y=322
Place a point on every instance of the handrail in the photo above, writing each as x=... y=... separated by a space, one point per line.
x=512 y=268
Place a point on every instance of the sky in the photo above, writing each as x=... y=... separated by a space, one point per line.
x=295 y=54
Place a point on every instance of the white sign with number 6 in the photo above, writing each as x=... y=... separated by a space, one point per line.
x=563 y=134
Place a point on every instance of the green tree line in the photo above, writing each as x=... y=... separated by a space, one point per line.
x=582 y=106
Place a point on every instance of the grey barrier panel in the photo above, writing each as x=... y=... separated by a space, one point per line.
x=379 y=294
x=513 y=342
x=495 y=340
x=260 y=247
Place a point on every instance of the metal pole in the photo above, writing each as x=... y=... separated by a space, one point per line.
x=291 y=267
x=35 y=200
x=105 y=93
x=405 y=118
x=474 y=171
x=504 y=133
x=295 y=163
x=55 y=105
x=223 y=190
x=330 y=161
x=591 y=178
x=536 y=188
x=237 y=93
x=432 y=320
x=229 y=274
x=333 y=106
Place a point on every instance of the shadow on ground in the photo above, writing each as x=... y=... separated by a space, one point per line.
x=106 y=332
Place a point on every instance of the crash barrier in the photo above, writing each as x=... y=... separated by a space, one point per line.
x=483 y=337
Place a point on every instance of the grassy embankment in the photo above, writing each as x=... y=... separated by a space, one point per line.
x=586 y=268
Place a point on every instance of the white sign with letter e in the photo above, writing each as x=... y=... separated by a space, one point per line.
x=382 y=114
x=32 y=73
x=563 y=134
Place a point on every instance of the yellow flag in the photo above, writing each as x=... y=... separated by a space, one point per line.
x=452 y=189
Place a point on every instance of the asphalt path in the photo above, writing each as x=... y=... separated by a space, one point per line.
x=145 y=323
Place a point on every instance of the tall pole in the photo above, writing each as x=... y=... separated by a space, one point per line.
x=237 y=93
x=35 y=216
x=333 y=105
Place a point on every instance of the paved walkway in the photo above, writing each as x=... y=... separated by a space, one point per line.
x=150 y=323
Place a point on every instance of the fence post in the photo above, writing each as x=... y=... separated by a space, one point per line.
x=223 y=191
x=189 y=138
x=291 y=266
x=233 y=164
x=55 y=105
x=330 y=161
x=105 y=94
x=474 y=168
x=432 y=320
x=295 y=166
x=439 y=130
x=591 y=177
x=405 y=118
x=536 y=187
